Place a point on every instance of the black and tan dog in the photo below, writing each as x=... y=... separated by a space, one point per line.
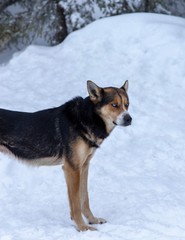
x=67 y=135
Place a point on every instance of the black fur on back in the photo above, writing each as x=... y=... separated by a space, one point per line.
x=81 y=114
x=49 y=132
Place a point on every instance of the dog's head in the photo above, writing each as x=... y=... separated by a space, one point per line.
x=111 y=104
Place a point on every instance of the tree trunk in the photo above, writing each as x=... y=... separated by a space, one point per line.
x=63 y=32
x=146 y=5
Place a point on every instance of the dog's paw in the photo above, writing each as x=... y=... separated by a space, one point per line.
x=83 y=228
x=97 y=221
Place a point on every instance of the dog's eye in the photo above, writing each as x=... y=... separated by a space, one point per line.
x=126 y=105
x=114 y=105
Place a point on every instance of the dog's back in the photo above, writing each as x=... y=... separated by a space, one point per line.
x=30 y=135
x=44 y=137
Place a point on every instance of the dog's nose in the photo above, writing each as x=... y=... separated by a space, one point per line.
x=127 y=120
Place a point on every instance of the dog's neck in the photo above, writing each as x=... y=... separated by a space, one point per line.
x=108 y=126
x=95 y=121
x=81 y=112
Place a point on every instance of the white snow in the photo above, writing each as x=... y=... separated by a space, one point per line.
x=137 y=177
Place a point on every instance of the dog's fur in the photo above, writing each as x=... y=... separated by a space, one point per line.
x=67 y=135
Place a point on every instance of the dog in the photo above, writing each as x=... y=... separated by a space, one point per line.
x=67 y=135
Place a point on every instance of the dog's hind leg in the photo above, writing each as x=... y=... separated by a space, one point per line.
x=84 y=196
x=73 y=184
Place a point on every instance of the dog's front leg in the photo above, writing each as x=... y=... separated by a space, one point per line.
x=85 y=198
x=73 y=184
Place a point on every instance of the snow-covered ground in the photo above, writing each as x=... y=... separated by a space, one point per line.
x=137 y=177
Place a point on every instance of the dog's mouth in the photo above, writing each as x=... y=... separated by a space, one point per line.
x=125 y=123
x=115 y=123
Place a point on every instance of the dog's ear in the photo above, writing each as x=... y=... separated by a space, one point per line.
x=125 y=86
x=95 y=92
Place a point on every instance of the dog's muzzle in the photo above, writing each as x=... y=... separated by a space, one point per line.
x=123 y=119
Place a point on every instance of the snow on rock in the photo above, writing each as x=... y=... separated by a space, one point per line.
x=137 y=177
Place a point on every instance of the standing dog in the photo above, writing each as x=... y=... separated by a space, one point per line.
x=67 y=135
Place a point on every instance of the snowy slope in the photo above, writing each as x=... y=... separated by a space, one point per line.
x=137 y=177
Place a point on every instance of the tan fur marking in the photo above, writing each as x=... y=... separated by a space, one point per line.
x=82 y=150
x=85 y=196
x=48 y=161
x=3 y=149
x=73 y=184
x=110 y=113
x=93 y=138
x=76 y=180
